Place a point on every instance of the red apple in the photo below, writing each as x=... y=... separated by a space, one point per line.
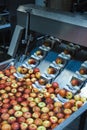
x=75 y=82
x=15 y=126
x=36 y=70
x=53 y=119
x=6 y=127
x=38 y=122
x=27 y=114
x=55 y=85
x=32 y=127
x=62 y=92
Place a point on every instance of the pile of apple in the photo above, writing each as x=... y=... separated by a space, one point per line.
x=30 y=75
x=24 y=107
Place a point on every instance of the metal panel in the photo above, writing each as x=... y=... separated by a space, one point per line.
x=66 y=26
x=61 y=30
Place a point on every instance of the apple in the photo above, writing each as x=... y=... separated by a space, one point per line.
x=3 y=110
x=59 y=60
x=40 y=95
x=13 y=90
x=18 y=113
x=11 y=119
x=38 y=75
x=74 y=108
x=33 y=80
x=58 y=104
x=41 y=104
x=51 y=90
x=24 y=103
x=36 y=114
x=83 y=99
x=36 y=108
x=8 y=88
x=44 y=116
x=32 y=76
x=54 y=125
x=15 y=126
x=41 y=128
x=53 y=119
x=4 y=95
x=69 y=95
x=17 y=107
x=2 y=91
x=46 y=123
x=5 y=116
x=38 y=122
x=60 y=115
x=21 y=119
x=83 y=71
x=49 y=100
x=48 y=85
x=30 y=99
x=67 y=116
x=23 y=126
x=67 y=105
x=78 y=104
x=11 y=111
x=6 y=105
x=61 y=120
x=32 y=104
x=25 y=109
x=20 y=89
x=29 y=121
x=47 y=94
x=67 y=111
x=50 y=106
x=36 y=70
x=51 y=113
x=33 y=95
x=27 y=114
x=24 y=70
x=62 y=92
x=42 y=81
x=14 y=85
x=27 y=75
x=32 y=127
x=35 y=90
x=18 y=94
x=55 y=85
x=72 y=101
x=57 y=109
x=6 y=100
x=77 y=97
x=19 y=69
x=75 y=82
x=39 y=52
x=57 y=90
x=6 y=127
x=51 y=70
x=37 y=99
x=30 y=71
x=31 y=61
x=45 y=109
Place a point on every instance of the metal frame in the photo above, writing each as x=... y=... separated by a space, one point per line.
x=67 y=26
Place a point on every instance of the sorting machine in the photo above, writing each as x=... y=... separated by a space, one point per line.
x=62 y=27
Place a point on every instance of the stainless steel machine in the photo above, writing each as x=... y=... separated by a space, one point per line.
x=64 y=26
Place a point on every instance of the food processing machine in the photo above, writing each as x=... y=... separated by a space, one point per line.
x=61 y=26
